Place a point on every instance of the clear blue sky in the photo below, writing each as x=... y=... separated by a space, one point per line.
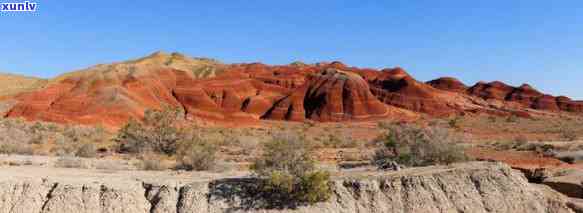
x=540 y=42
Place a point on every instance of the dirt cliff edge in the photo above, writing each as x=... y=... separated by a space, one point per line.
x=469 y=187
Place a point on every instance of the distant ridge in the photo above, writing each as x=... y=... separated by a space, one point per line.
x=209 y=90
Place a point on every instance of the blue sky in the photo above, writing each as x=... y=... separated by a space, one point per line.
x=516 y=41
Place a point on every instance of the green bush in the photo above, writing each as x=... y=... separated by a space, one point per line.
x=339 y=140
x=411 y=145
x=156 y=132
x=285 y=153
x=64 y=146
x=313 y=187
x=197 y=154
x=288 y=173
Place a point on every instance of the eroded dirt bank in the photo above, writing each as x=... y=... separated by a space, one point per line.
x=469 y=187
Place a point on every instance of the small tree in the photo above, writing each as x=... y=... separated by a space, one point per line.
x=285 y=153
x=289 y=173
x=196 y=154
x=156 y=132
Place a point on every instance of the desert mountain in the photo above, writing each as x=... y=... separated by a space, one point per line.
x=210 y=90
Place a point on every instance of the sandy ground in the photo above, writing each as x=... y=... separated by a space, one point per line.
x=16 y=166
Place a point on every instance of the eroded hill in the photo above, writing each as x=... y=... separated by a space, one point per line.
x=245 y=93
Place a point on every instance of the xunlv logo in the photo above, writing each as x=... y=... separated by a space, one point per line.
x=18 y=7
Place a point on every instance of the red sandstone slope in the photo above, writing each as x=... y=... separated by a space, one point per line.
x=209 y=90
x=525 y=96
x=396 y=87
x=330 y=95
x=449 y=84
x=111 y=94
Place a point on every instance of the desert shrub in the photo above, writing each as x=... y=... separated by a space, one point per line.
x=16 y=137
x=132 y=138
x=83 y=134
x=156 y=132
x=87 y=151
x=64 y=146
x=411 y=145
x=23 y=135
x=288 y=173
x=196 y=154
x=78 y=141
x=314 y=187
x=533 y=147
x=353 y=156
x=339 y=140
x=20 y=149
x=286 y=153
x=285 y=190
x=524 y=146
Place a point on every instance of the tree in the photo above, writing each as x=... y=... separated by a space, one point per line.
x=288 y=173
x=156 y=132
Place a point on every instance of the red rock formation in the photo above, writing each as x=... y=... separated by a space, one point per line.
x=545 y=102
x=244 y=92
x=110 y=94
x=493 y=90
x=396 y=87
x=566 y=104
x=330 y=95
x=525 y=95
x=448 y=84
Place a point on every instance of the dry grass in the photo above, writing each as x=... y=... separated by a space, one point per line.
x=486 y=128
x=11 y=84
x=40 y=138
